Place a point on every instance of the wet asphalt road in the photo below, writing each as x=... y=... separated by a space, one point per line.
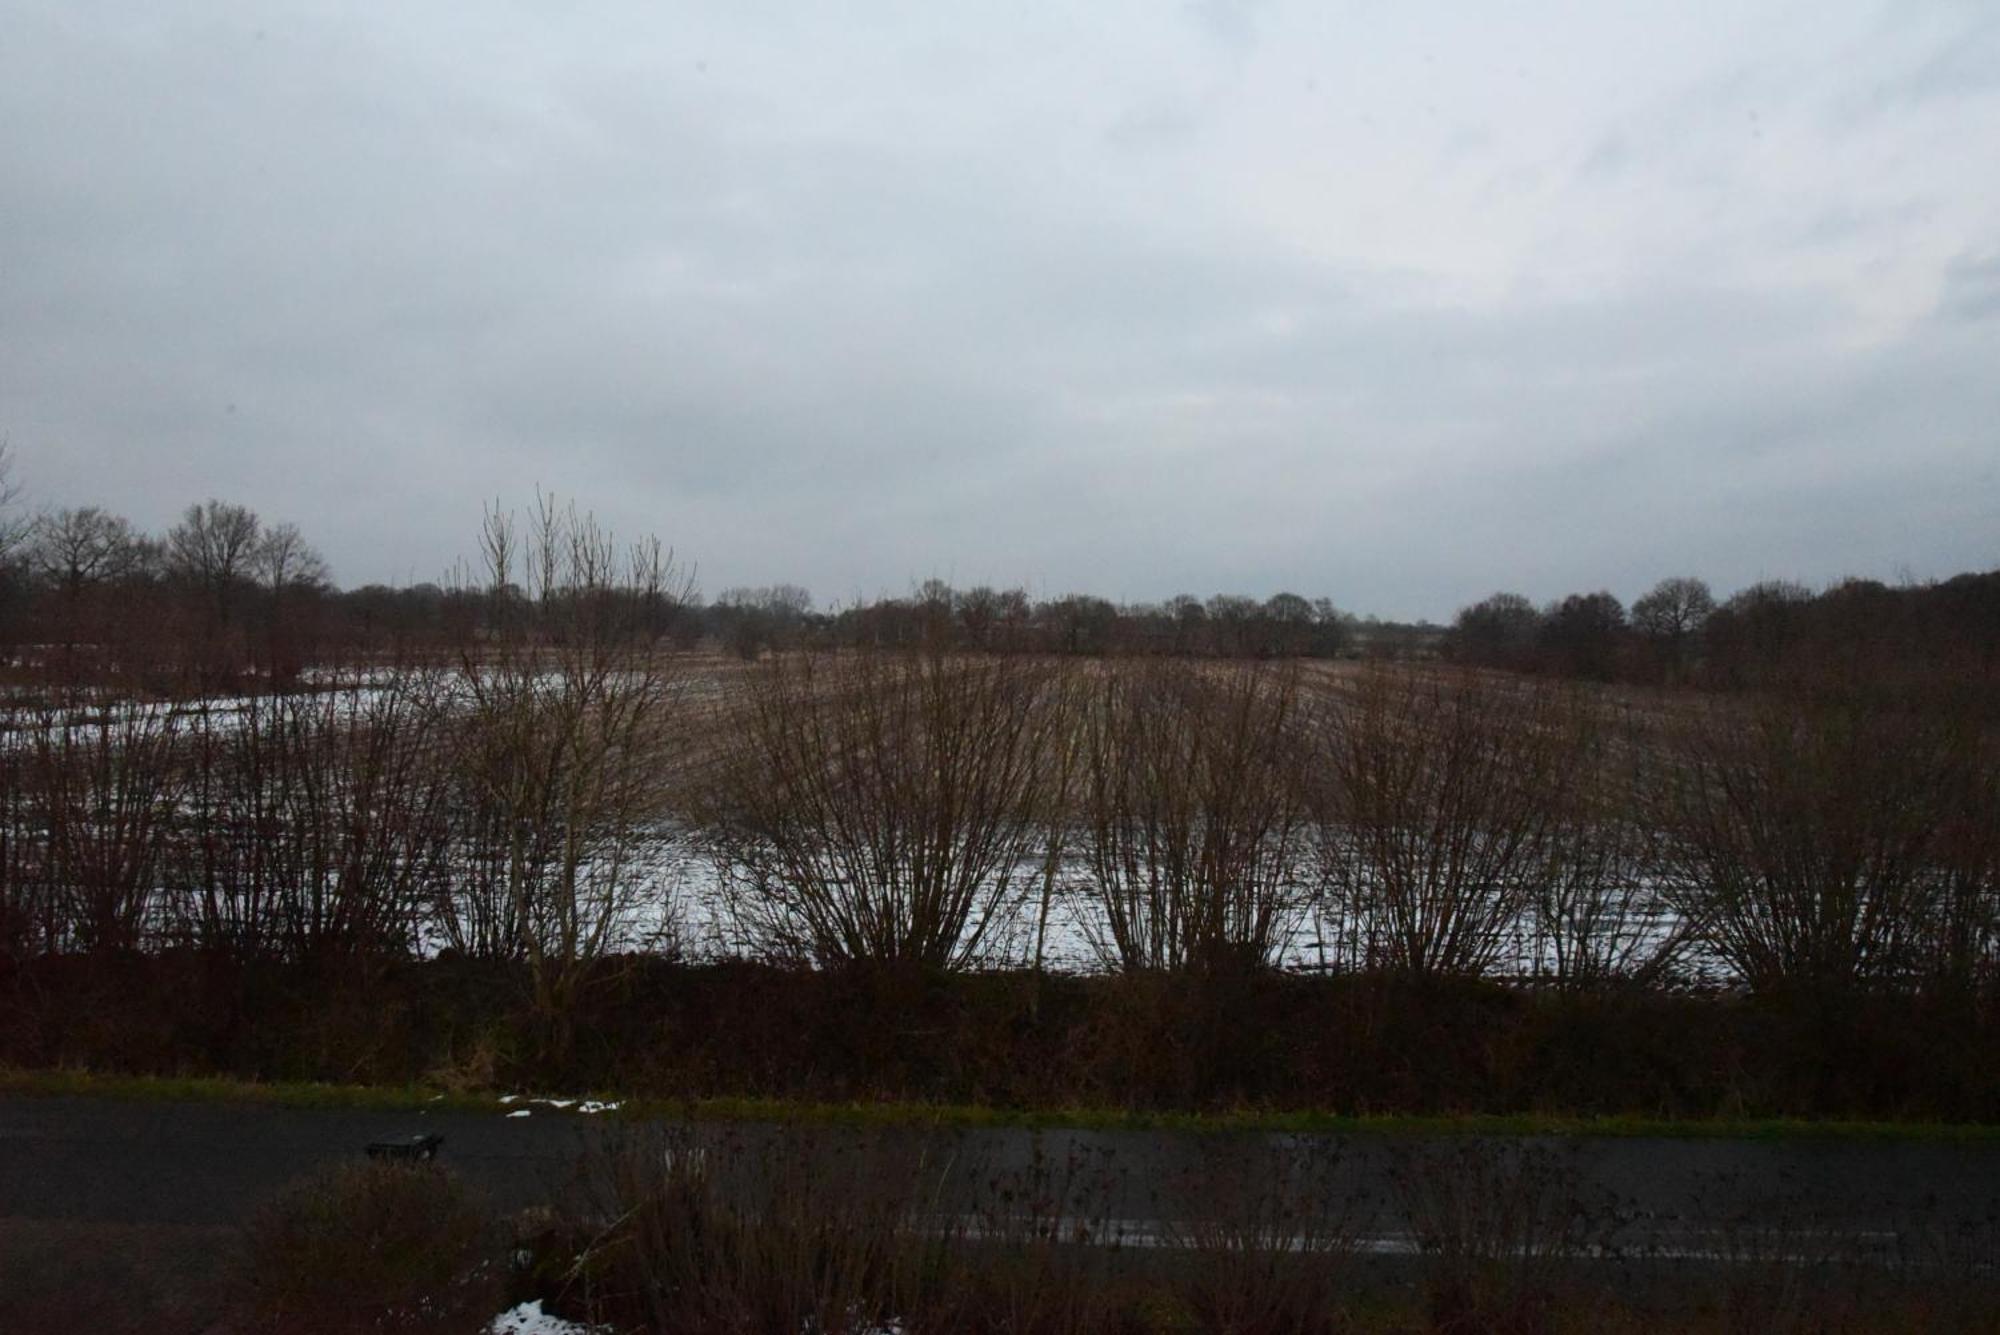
x=199 y=1164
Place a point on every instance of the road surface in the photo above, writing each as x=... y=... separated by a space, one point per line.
x=212 y=1164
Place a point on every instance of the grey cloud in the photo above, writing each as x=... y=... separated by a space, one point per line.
x=1610 y=157
x=1159 y=124
x=1971 y=289
x=366 y=275
x=1232 y=23
x=1964 y=64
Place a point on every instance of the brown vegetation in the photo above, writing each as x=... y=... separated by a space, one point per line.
x=458 y=859
x=882 y=809
x=1195 y=824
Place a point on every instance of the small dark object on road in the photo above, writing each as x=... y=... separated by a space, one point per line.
x=412 y=1147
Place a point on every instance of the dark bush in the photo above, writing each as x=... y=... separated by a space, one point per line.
x=372 y=1247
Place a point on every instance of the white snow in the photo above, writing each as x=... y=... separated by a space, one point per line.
x=521 y=1112
x=530 y=1319
x=584 y=1106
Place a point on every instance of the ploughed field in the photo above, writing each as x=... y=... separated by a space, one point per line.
x=1008 y=813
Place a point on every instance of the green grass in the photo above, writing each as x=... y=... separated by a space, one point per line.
x=213 y=1089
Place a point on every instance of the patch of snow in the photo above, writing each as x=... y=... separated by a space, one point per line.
x=521 y=1112
x=530 y=1319
x=585 y=1106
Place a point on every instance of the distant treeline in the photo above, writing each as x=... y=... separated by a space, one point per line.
x=1856 y=630
x=223 y=597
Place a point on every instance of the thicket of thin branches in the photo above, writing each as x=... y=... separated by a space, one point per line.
x=883 y=808
x=1193 y=813
x=924 y=808
x=1438 y=814
x=1829 y=840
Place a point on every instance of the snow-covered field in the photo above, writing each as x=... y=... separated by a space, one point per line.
x=680 y=900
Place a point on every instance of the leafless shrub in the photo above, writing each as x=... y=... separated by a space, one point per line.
x=882 y=807
x=795 y=1232
x=370 y=1247
x=1194 y=822
x=1039 y=1251
x=563 y=713
x=1961 y=933
x=1498 y=1224
x=1270 y=1232
x=316 y=822
x=801 y=1229
x=26 y=926
x=1785 y=1262
x=102 y=786
x=1435 y=820
x=1800 y=835
x=1597 y=914
x=1952 y=1266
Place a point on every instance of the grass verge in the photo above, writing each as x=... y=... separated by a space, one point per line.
x=18 y=1082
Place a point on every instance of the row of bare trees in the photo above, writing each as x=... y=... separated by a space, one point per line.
x=950 y=810
x=501 y=805
x=1209 y=816
x=88 y=598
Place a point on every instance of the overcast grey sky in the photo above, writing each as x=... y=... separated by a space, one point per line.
x=1393 y=302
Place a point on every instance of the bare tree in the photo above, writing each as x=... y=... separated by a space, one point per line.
x=75 y=548
x=26 y=928
x=1434 y=819
x=79 y=554
x=15 y=526
x=882 y=808
x=1597 y=913
x=1193 y=820
x=283 y=559
x=1232 y=624
x=1580 y=635
x=978 y=609
x=210 y=553
x=214 y=544
x=568 y=697
x=105 y=786
x=1287 y=625
x=1799 y=834
x=1962 y=933
x=316 y=823
x=1671 y=615
x=1190 y=620
x=1498 y=631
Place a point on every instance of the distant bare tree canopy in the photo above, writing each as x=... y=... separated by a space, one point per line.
x=214 y=544
x=225 y=594
x=75 y=548
x=14 y=524
x=283 y=560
